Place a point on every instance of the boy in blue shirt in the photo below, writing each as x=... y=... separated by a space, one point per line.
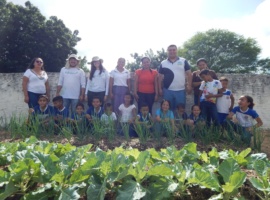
x=95 y=111
x=78 y=119
x=61 y=113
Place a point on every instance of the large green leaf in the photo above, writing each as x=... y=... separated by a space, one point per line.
x=261 y=168
x=4 y=178
x=96 y=189
x=10 y=189
x=162 y=169
x=260 y=185
x=130 y=190
x=236 y=180
x=70 y=193
x=227 y=168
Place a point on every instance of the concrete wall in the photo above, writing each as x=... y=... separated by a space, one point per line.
x=257 y=86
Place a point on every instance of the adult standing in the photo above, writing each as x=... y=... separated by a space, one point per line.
x=35 y=82
x=196 y=80
x=98 y=82
x=173 y=72
x=146 y=84
x=119 y=84
x=71 y=83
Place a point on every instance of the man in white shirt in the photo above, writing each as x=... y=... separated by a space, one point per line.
x=71 y=83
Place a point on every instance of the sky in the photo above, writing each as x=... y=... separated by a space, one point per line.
x=116 y=28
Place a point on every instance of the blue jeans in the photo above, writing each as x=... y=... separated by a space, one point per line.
x=209 y=112
x=33 y=99
x=72 y=103
x=175 y=97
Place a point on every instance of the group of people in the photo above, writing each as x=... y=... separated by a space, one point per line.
x=213 y=101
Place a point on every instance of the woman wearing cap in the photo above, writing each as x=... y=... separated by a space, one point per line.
x=98 y=82
x=35 y=82
x=71 y=83
x=119 y=84
x=196 y=80
x=146 y=84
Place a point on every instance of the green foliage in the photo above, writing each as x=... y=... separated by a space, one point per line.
x=156 y=59
x=225 y=51
x=34 y=169
x=26 y=33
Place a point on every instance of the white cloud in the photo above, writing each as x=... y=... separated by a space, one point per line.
x=113 y=29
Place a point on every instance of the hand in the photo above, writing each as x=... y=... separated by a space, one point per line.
x=136 y=97
x=189 y=89
x=208 y=96
x=111 y=95
x=105 y=98
x=81 y=97
x=86 y=98
x=156 y=97
x=26 y=99
x=31 y=110
x=230 y=109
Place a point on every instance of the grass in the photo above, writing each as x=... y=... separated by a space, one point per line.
x=22 y=127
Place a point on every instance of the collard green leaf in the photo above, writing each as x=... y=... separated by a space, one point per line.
x=236 y=180
x=162 y=169
x=96 y=189
x=130 y=190
x=70 y=193
x=227 y=168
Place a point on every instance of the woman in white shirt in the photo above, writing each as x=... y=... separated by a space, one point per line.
x=119 y=84
x=35 y=82
x=98 y=82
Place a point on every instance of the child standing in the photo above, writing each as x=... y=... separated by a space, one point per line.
x=225 y=103
x=245 y=116
x=165 y=117
x=61 y=113
x=95 y=111
x=210 y=89
x=108 y=116
x=128 y=114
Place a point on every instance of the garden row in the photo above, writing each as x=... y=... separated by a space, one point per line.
x=34 y=169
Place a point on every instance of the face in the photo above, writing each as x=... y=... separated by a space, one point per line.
x=181 y=110
x=73 y=62
x=242 y=102
x=38 y=63
x=96 y=103
x=196 y=110
x=146 y=63
x=42 y=102
x=96 y=64
x=121 y=63
x=58 y=104
x=224 y=84
x=127 y=99
x=205 y=77
x=109 y=109
x=144 y=110
x=79 y=110
x=165 y=106
x=172 y=52
x=202 y=65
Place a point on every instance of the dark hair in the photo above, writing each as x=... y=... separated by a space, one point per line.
x=192 y=107
x=107 y=105
x=144 y=105
x=204 y=72
x=172 y=45
x=80 y=104
x=223 y=79
x=31 y=65
x=93 y=69
x=145 y=57
x=181 y=105
x=250 y=101
x=96 y=98
x=163 y=101
x=131 y=97
x=201 y=60
x=43 y=96
x=57 y=98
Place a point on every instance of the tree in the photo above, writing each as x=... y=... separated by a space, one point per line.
x=155 y=59
x=83 y=64
x=25 y=33
x=225 y=51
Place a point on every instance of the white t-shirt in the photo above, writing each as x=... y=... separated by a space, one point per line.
x=99 y=82
x=224 y=102
x=120 y=78
x=107 y=119
x=71 y=80
x=210 y=87
x=36 y=83
x=126 y=112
